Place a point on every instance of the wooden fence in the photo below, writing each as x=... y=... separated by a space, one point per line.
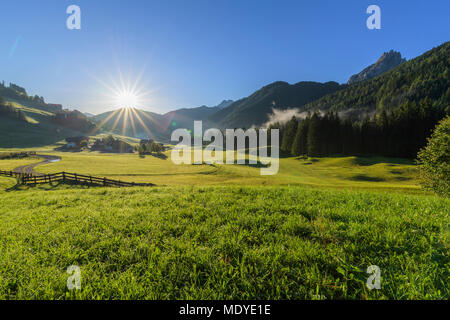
x=8 y=173
x=66 y=177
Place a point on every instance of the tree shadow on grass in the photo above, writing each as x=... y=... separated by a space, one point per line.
x=362 y=177
x=256 y=165
x=160 y=156
x=369 y=161
x=362 y=160
x=49 y=186
x=71 y=150
x=156 y=155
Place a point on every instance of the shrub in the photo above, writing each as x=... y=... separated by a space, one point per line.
x=156 y=147
x=434 y=160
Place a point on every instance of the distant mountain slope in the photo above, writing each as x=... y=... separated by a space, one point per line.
x=184 y=118
x=254 y=110
x=427 y=76
x=224 y=104
x=25 y=125
x=142 y=124
x=131 y=122
x=387 y=61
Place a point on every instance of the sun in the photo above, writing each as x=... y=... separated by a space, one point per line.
x=126 y=99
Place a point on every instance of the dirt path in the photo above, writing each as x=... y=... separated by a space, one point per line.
x=30 y=168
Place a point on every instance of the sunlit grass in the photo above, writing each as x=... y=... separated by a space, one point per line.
x=221 y=243
x=222 y=237
x=11 y=164
x=348 y=172
x=30 y=110
x=6 y=183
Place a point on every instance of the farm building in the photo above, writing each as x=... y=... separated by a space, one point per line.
x=146 y=141
x=109 y=144
x=76 y=142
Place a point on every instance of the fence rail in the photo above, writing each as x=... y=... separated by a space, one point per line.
x=8 y=173
x=67 y=177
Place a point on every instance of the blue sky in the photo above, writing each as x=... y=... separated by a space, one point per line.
x=199 y=52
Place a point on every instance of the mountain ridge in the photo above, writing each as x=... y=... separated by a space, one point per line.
x=153 y=125
x=256 y=108
x=426 y=76
x=386 y=62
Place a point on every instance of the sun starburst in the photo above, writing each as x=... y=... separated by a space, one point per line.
x=127 y=97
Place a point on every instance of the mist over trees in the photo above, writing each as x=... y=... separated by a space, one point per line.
x=401 y=132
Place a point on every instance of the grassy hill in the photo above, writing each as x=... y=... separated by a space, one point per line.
x=36 y=130
x=15 y=93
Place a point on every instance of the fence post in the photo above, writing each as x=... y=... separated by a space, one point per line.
x=29 y=178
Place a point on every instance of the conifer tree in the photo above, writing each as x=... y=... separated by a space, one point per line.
x=299 y=146
x=289 y=135
x=314 y=136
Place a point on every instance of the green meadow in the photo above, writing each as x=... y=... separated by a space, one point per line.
x=11 y=164
x=348 y=172
x=224 y=231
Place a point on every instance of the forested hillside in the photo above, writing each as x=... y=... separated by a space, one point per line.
x=427 y=76
x=401 y=132
x=401 y=109
x=255 y=109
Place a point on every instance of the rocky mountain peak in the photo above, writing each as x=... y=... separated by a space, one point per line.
x=224 y=104
x=386 y=62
